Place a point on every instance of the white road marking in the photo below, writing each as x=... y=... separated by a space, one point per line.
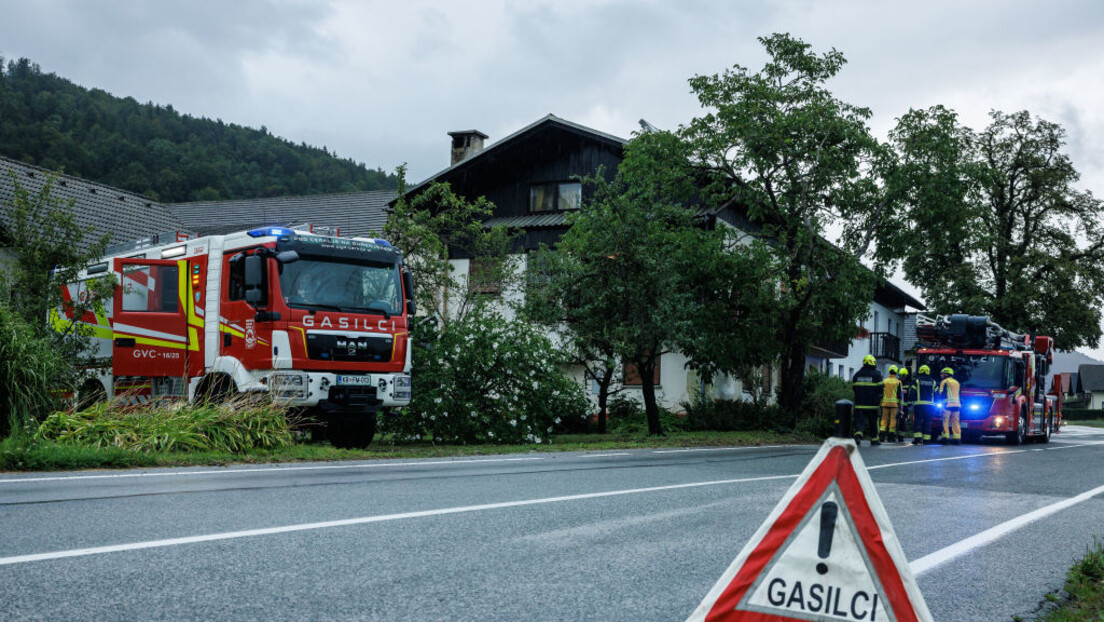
x=282 y=469
x=621 y=453
x=918 y=567
x=962 y=547
x=249 y=533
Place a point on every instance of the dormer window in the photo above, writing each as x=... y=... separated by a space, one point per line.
x=555 y=197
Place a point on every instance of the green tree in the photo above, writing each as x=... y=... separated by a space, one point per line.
x=780 y=146
x=39 y=358
x=996 y=226
x=426 y=227
x=641 y=273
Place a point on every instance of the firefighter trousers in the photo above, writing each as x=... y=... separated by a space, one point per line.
x=922 y=421
x=951 y=416
x=889 y=419
x=859 y=420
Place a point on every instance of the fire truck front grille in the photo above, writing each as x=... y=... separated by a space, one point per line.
x=350 y=348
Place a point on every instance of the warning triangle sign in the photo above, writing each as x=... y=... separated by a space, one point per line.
x=826 y=552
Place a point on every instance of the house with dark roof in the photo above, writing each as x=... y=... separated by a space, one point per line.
x=531 y=178
x=1090 y=385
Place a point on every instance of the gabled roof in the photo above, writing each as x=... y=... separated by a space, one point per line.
x=355 y=213
x=550 y=120
x=125 y=215
x=1090 y=378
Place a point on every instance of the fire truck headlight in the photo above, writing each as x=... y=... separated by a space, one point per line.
x=998 y=422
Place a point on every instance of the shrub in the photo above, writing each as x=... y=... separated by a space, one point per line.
x=818 y=409
x=1082 y=414
x=239 y=425
x=731 y=416
x=627 y=416
x=486 y=379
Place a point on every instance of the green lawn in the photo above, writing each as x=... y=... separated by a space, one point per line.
x=21 y=455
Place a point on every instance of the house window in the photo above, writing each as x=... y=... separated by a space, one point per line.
x=875 y=322
x=555 y=197
x=632 y=375
x=850 y=372
x=484 y=275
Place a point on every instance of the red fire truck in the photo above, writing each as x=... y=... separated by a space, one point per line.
x=1002 y=376
x=318 y=322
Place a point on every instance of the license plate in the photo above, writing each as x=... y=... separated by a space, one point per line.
x=354 y=380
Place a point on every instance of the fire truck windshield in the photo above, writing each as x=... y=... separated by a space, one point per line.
x=973 y=371
x=340 y=284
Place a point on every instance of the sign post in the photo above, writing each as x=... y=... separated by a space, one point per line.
x=826 y=552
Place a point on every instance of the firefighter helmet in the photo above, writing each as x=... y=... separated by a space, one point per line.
x=892 y=369
x=947 y=370
x=924 y=370
x=902 y=371
x=869 y=360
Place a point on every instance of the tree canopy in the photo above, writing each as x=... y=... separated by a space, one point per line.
x=154 y=150
x=779 y=146
x=995 y=225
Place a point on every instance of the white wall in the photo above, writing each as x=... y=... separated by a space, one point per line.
x=861 y=347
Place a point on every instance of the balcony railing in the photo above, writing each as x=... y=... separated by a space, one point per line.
x=885 y=346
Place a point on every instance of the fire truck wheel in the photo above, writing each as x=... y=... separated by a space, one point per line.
x=215 y=389
x=351 y=431
x=1019 y=437
x=1045 y=438
x=90 y=394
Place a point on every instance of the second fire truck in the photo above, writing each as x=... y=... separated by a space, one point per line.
x=1002 y=376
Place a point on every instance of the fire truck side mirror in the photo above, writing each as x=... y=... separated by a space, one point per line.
x=408 y=286
x=254 y=279
x=287 y=256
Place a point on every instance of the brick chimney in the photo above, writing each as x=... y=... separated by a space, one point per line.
x=465 y=144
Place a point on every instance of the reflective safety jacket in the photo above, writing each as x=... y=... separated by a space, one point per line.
x=891 y=391
x=925 y=388
x=867 y=383
x=949 y=389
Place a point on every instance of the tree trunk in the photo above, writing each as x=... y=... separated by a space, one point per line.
x=603 y=400
x=651 y=409
x=792 y=386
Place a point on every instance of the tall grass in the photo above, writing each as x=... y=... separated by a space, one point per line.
x=240 y=425
x=32 y=370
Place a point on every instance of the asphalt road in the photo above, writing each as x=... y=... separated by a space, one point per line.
x=620 y=535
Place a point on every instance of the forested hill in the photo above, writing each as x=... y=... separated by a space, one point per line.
x=154 y=150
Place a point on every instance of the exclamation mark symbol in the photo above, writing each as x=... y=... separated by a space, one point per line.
x=828 y=513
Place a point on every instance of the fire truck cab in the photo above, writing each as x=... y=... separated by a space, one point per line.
x=318 y=322
x=1002 y=377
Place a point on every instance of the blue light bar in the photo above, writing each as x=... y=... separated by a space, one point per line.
x=382 y=242
x=974 y=406
x=269 y=231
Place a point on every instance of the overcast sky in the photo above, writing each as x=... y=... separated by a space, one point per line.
x=383 y=82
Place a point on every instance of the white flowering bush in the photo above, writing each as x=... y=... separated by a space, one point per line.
x=486 y=379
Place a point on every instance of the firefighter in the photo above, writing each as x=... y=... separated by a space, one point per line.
x=867 y=383
x=891 y=400
x=952 y=407
x=904 y=414
x=923 y=407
